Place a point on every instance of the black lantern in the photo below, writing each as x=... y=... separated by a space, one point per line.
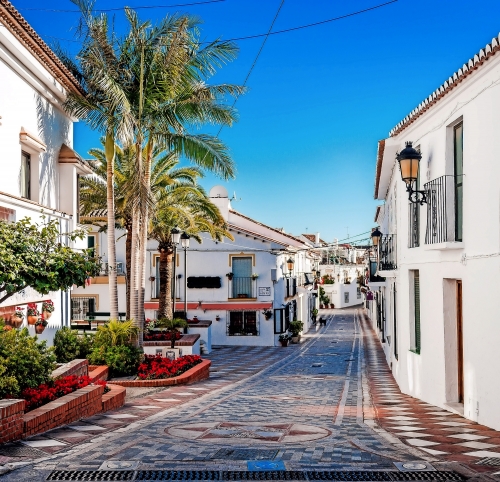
x=185 y=240
x=376 y=235
x=409 y=161
x=175 y=234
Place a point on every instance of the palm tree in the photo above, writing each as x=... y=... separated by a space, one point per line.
x=103 y=105
x=188 y=207
x=168 y=94
x=93 y=190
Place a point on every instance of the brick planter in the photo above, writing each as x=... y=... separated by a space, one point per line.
x=195 y=374
x=11 y=420
x=113 y=399
x=84 y=402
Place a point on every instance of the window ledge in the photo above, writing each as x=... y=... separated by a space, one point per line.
x=387 y=274
x=242 y=299
x=444 y=246
x=417 y=352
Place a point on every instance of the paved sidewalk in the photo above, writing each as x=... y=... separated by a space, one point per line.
x=328 y=403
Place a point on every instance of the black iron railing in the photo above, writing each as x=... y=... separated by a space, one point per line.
x=242 y=287
x=441 y=213
x=305 y=279
x=414 y=225
x=387 y=252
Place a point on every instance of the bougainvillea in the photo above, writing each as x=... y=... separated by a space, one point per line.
x=155 y=367
x=47 y=392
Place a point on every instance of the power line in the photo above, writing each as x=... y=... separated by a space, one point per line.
x=278 y=32
x=123 y=8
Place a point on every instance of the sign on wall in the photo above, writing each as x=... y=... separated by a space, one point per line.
x=264 y=291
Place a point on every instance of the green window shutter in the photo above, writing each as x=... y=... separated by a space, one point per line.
x=416 y=280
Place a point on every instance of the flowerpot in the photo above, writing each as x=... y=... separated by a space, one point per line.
x=16 y=321
x=47 y=314
x=32 y=319
x=39 y=329
x=295 y=339
x=284 y=342
x=332 y=305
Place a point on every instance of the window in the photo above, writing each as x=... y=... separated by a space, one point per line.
x=25 y=175
x=458 y=160
x=242 y=323
x=415 y=332
x=279 y=325
x=242 y=277
x=92 y=244
x=80 y=306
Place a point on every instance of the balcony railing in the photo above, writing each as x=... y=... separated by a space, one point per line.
x=305 y=279
x=387 y=252
x=242 y=288
x=440 y=210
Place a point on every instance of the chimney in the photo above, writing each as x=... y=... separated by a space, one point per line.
x=218 y=195
x=317 y=238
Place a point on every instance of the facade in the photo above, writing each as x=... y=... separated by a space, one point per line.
x=40 y=169
x=236 y=305
x=438 y=263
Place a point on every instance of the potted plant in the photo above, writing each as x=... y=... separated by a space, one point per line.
x=32 y=313
x=172 y=327
x=295 y=328
x=255 y=276
x=230 y=275
x=284 y=338
x=267 y=314
x=40 y=325
x=217 y=318
x=314 y=313
x=47 y=309
x=332 y=306
x=16 y=320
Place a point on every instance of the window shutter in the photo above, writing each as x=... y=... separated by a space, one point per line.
x=416 y=288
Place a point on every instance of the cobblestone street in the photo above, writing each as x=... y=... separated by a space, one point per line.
x=328 y=403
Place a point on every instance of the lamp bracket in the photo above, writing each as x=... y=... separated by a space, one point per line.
x=416 y=196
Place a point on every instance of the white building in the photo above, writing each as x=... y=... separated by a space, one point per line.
x=260 y=282
x=40 y=169
x=439 y=297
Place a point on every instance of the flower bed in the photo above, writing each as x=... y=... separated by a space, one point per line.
x=156 y=367
x=162 y=336
x=45 y=393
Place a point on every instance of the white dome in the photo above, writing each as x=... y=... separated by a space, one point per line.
x=218 y=191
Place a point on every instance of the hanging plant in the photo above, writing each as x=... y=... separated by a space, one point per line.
x=40 y=324
x=255 y=275
x=32 y=313
x=267 y=314
x=16 y=320
x=230 y=275
x=48 y=308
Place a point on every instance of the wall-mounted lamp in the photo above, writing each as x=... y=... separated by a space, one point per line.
x=409 y=162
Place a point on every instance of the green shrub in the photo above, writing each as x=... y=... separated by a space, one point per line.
x=8 y=384
x=296 y=327
x=68 y=345
x=25 y=359
x=122 y=360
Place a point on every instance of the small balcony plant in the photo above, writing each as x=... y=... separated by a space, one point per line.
x=230 y=275
x=255 y=276
x=268 y=314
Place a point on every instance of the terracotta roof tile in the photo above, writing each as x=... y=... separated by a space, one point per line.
x=473 y=64
x=22 y=30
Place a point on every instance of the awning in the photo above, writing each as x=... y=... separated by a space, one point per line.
x=69 y=156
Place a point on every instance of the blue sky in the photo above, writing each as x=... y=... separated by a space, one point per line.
x=319 y=98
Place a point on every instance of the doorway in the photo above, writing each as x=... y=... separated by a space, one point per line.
x=460 y=347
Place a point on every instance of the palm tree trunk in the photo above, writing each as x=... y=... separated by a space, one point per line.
x=165 y=295
x=133 y=266
x=128 y=261
x=112 y=274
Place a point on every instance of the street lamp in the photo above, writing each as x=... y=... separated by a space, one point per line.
x=376 y=235
x=175 y=236
x=185 y=245
x=409 y=161
x=289 y=264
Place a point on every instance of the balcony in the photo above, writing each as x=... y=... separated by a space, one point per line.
x=290 y=287
x=443 y=217
x=387 y=253
x=305 y=279
x=242 y=288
